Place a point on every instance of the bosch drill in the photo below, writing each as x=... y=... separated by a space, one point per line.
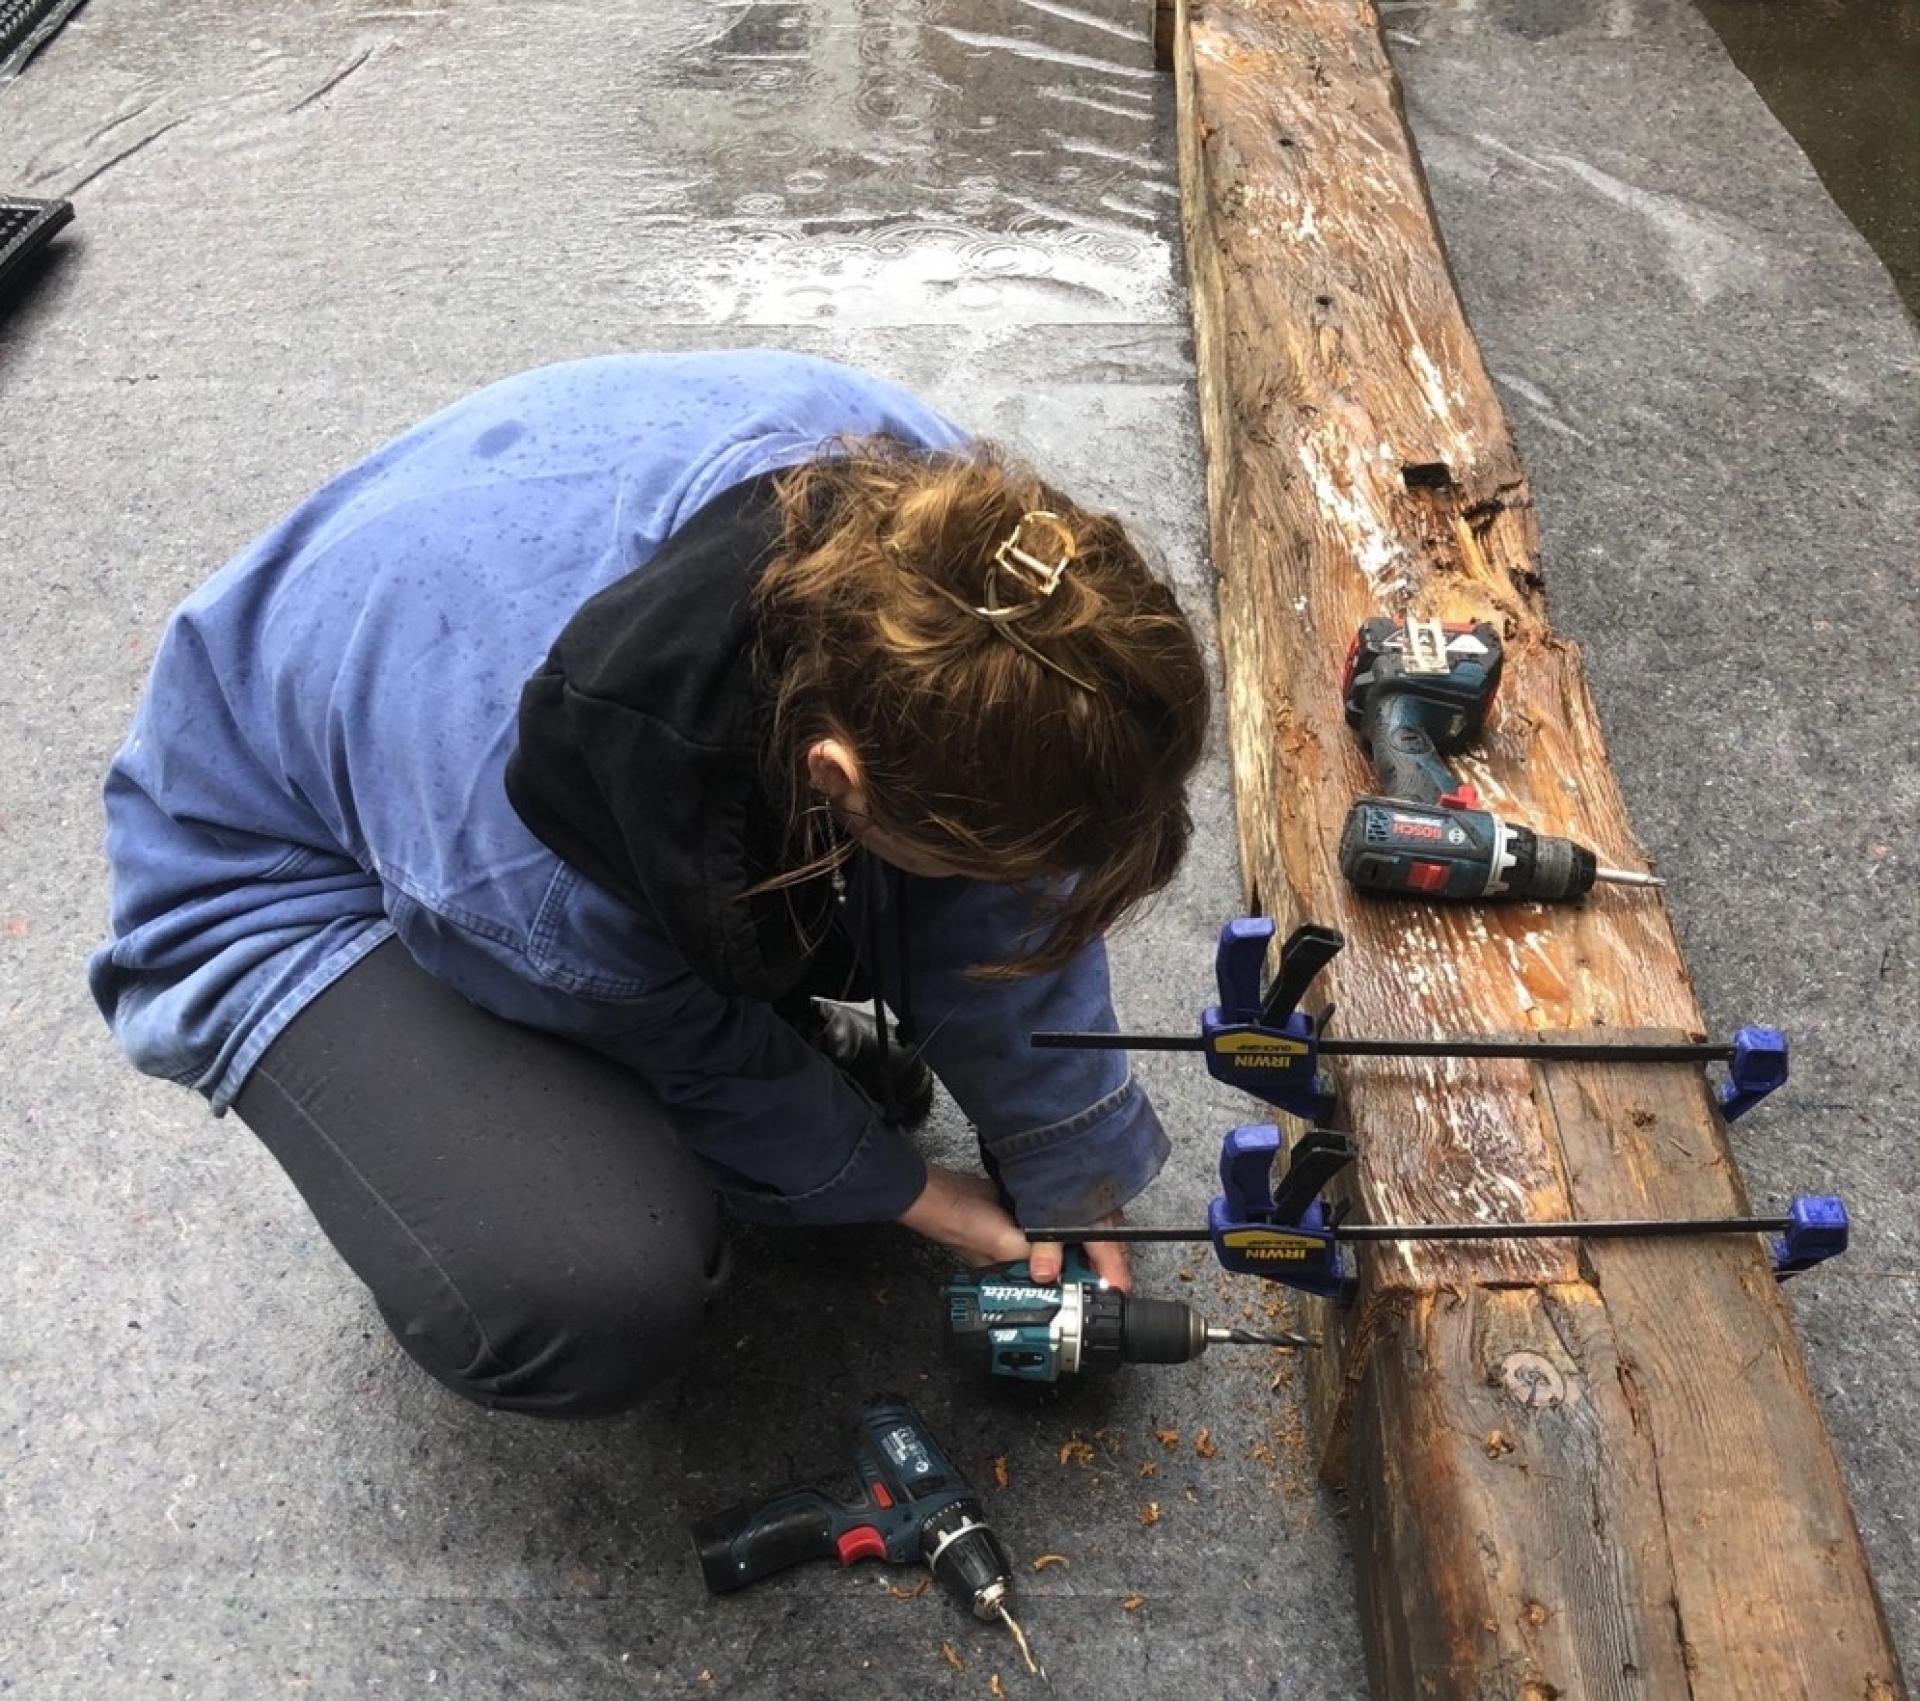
x=1415 y=692
x=1003 y=1321
x=903 y=1501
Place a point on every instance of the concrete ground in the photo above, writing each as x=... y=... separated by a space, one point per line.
x=302 y=226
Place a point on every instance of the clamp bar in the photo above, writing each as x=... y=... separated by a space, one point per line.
x=1569 y=1228
x=1555 y=1051
x=1657 y=1228
x=1814 y=1229
x=1062 y=1040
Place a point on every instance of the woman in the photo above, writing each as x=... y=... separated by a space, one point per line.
x=489 y=827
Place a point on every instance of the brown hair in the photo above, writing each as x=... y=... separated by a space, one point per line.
x=1065 y=752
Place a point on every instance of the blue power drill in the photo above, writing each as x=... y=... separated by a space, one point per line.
x=1416 y=691
x=903 y=1501
x=1001 y=1320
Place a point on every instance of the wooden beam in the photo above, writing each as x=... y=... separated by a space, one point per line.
x=1598 y=1474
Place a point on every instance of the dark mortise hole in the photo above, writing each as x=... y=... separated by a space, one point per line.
x=1427 y=475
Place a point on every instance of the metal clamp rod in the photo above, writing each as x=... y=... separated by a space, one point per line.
x=1571 y=1051
x=1569 y=1229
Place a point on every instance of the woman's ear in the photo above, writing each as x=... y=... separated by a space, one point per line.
x=833 y=770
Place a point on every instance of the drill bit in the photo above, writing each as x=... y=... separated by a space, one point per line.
x=1255 y=1338
x=1627 y=877
x=1026 y=1653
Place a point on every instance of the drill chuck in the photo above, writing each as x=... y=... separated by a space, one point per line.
x=966 y=1558
x=1158 y=1331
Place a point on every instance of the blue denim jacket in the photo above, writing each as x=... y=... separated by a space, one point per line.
x=317 y=763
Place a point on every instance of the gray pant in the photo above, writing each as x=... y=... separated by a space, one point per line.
x=534 y=1234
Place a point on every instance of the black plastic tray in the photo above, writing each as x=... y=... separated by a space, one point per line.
x=26 y=227
x=26 y=26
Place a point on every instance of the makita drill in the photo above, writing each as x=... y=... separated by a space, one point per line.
x=1417 y=691
x=903 y=1501
x=1001 y=1320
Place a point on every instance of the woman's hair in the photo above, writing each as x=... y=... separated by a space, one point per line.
x=1051 y=750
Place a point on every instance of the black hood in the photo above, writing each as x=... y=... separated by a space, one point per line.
x=642 y=754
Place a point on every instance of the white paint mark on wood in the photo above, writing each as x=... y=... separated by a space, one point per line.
x=1339 y=491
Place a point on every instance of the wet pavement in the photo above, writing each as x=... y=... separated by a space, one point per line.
x=303 y=226
x=1843 y=84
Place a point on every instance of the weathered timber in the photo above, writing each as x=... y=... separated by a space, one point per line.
x=1597 y=1473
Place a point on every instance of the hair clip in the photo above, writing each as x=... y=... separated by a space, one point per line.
x=1038 y=576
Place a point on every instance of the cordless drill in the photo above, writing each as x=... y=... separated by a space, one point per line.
x=1415 y=692
x=1003 y=1321
x=903 y=1501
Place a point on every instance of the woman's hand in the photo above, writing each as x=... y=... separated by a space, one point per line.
x=964 y=1212
x=1107 y=1257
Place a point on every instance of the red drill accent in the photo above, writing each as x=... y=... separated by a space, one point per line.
x=864 y=1542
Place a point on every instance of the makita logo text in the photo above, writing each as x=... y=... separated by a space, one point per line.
x=1006 y=1295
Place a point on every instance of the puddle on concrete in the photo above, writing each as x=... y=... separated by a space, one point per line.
x=1845 y=81
x=754 y=162
x=890 y=159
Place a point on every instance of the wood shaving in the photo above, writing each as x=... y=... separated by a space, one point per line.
x=1076 y=1451
x=1148 y=1468
x=1186 y=1275
x=1000 y=1477
x=1203 y=1444
x=1047 y=1559
x=951 y=1655
x=1150 y=1513
x=1265 y=1454
x=1168 y=1438
x=1133 y=1603
x=994 y=1689
x=913 y=1594
x=1111 y=1439
x=1495 y=1443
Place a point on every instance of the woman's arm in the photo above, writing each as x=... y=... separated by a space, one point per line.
x=784 y=1136
x=1071 y=1135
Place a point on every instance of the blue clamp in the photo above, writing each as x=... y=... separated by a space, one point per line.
x=1816 y=1231
x=1265 y=1046
x=1758 y=1066
x=1285 y=1234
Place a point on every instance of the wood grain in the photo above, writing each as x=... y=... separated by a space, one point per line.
x=1599 y=1474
